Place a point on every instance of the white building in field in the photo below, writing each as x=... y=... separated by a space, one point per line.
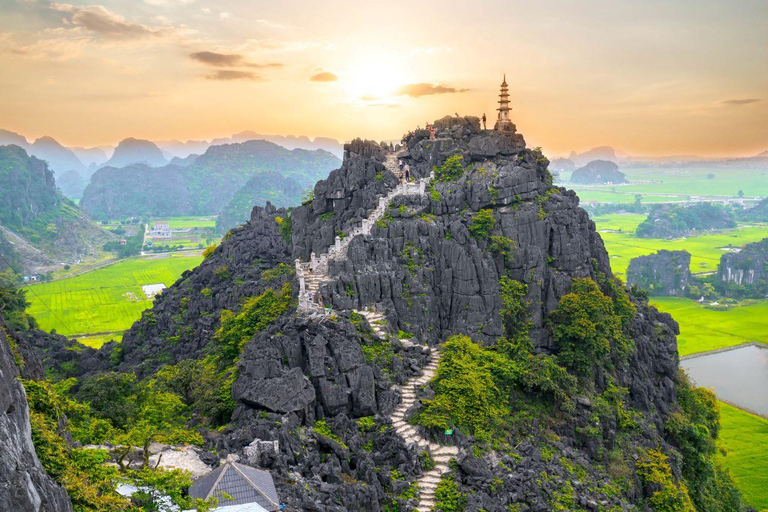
x=160 y=230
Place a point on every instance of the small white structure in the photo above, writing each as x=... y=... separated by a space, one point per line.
x=160 y=230
x=150 y=290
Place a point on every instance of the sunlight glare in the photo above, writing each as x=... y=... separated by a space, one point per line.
x=373 y=77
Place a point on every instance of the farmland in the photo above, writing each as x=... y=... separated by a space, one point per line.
x=683 y=182
x=744 y=450
x=617 y=231
x=703 y=329
x=107 y=300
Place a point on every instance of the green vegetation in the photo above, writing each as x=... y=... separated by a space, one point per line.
x=482 y=224
x=448 y=498
x=469 y=390
x=451 y=170
x=150 y=415
x=190 y=221
x=589 y=327
x=743 y=451
x=286 y=227
x=668 y=495
x=617 y=231
x=704 y=328
x=132 y=247
x=676 y=220
x=321 y=428
x=675 y=183
x=237 y=329
x=105 y=300
x=695 y=429
x=13 y=303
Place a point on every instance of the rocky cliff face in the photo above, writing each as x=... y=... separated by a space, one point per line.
x=661 y=273
x=315 y=395
x=744 y=272
x=24 y=485
x=175 y=328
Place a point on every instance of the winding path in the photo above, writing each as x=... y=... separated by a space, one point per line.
x=441 y=454
x=311 y=280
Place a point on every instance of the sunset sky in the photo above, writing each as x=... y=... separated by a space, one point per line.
x=648 y=77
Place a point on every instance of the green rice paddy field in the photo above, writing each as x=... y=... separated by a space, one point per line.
x=744 y=451
x=703 y=329
x=617 y=231
x=189 y=222
x=692 y=180
x=107 y=300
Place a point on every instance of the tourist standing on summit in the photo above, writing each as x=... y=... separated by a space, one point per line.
x=484 y=121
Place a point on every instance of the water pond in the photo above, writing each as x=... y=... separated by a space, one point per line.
x=739 y=376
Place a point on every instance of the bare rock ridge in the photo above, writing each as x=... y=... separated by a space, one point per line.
x=24 y=485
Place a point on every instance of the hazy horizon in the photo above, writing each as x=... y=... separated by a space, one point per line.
x=650 y=79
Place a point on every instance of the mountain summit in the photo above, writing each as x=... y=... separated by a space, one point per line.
x=445 y=335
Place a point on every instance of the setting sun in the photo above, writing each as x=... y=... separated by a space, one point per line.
x=373 y=78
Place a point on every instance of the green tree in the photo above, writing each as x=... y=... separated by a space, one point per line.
x=451 y=170
x=482 y=224
x=112 y=396
x=586 y=327
x=469 y=390
x=237 y=329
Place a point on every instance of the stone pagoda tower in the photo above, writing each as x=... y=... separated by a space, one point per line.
x=504 y=122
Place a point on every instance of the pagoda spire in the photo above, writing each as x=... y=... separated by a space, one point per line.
x=504 y=108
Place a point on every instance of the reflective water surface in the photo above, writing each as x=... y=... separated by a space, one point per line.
x=739 y=376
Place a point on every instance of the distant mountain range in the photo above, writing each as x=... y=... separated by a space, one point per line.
x=39 y=228
x=64 y=161
x=625 y=160
x=206 y=185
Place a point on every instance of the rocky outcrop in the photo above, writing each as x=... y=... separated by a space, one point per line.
x=757 y=213
x=661 y=273
x=598 y=172
x=24 y=484
x=743 y=273
x=452 y=283
x=332 y=395
x=675 y=221
x=222 y=281
x=45 y=228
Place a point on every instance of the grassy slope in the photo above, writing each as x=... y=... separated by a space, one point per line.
x=107 y=300
x=744 y=438
x=703 y=329
x=705 y=249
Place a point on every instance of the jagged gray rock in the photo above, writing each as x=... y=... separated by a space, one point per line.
x=661 y=273
x=24 y=484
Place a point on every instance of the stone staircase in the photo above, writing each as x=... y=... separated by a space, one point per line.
x=441 y=455
x=315 y=272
